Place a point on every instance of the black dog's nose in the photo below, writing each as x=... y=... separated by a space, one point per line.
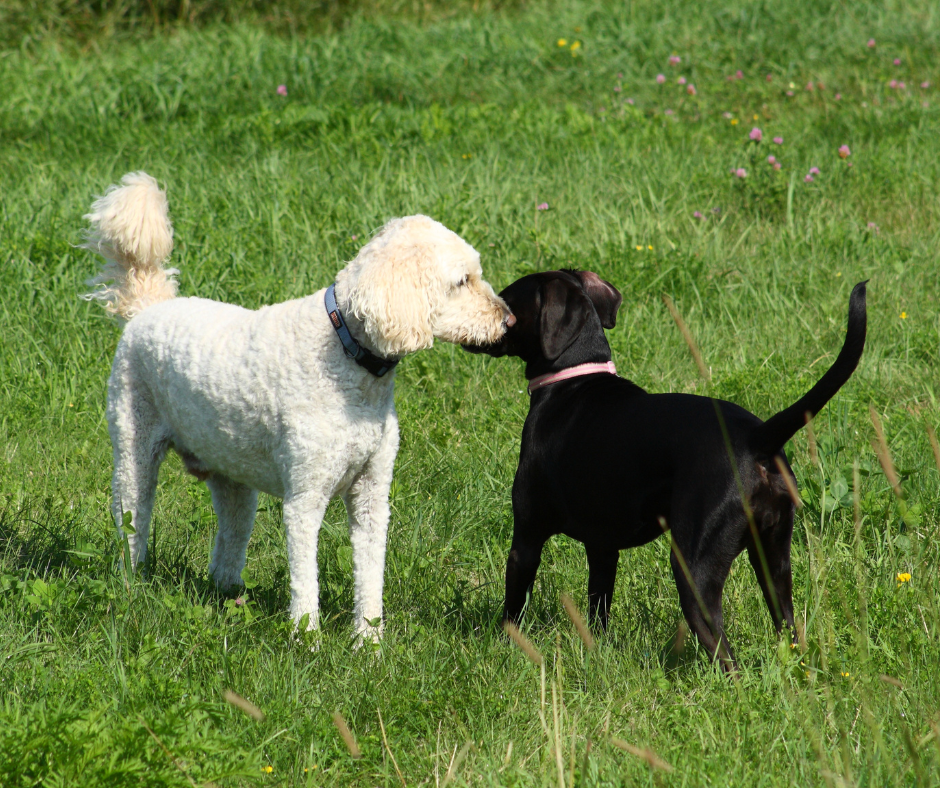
x=511 y=320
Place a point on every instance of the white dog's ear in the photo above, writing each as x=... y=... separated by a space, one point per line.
x=391 y=294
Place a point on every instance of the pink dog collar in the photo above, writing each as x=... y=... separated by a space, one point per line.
x=571 y=372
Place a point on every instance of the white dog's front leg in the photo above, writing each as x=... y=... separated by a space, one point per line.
x=303 y=515
x=367 y=506
x=367 y=503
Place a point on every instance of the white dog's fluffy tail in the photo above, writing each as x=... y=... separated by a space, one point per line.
x=130 y=228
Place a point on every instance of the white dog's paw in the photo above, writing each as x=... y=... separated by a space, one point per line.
x=306 y=632
x=312 y=639
x=229 y=588
x=369 y=634
x=227 y=581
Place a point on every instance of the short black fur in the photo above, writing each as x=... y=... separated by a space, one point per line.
x=613 y=467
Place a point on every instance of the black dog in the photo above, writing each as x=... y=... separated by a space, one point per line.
x=607 y=464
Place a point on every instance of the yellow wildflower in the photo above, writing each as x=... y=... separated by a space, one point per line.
x=904 y=577
x=756 y=118
x=845 y=674
x=575 y=46
x=562 y=42
x=903 y=315
x=650 y=248
x=734 y=121
x=639 y=248
x=267 y=769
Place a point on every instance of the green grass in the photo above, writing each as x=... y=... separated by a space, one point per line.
x=475 y=119
x=89 y=21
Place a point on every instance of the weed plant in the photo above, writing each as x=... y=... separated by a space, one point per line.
x=477 y=120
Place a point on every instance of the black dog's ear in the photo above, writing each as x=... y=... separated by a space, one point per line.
x=563 y=315
x=605 y=297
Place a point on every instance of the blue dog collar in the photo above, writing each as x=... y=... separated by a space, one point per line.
x=364 y=358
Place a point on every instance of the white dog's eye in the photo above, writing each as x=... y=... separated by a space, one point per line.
x=462 y=282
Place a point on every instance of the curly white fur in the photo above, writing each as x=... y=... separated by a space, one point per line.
x=266 y=400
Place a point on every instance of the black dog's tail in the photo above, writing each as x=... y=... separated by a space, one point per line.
x=769 y=437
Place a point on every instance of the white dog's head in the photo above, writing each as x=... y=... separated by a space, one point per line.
x=417 y=280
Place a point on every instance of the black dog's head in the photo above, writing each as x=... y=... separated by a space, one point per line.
x=560 y=320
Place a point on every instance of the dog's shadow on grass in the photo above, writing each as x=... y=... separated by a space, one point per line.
x=32 y=537
x=267 y=599
x=35 y=538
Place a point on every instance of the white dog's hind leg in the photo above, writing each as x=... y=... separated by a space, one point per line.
x=367 y=506
x=235 y=506
x=140 y=445
x=303 y=515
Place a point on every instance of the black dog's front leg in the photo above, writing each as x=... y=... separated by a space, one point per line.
x=602 y=568
x=521 y=566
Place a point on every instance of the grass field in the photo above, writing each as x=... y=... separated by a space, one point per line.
x=476 y=119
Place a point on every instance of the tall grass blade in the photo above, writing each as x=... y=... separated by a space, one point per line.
x=236 y=700
x=880 y=445
x=577 y=619
x=346 y=735
x=523 y=643
x=645 y=754
x=689 y=340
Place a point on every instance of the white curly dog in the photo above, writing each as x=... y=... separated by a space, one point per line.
x=269 y=400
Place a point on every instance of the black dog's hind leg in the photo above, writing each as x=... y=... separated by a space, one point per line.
x=703 y=613
x=774 y=574
x=700 y=579
x=521 y=566
x=602 y=566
